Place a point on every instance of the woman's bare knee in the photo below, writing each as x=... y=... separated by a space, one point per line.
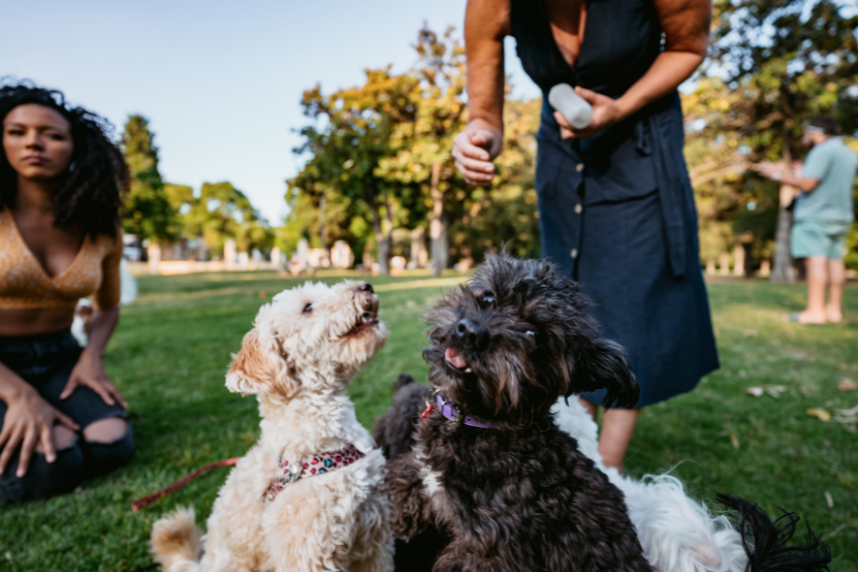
x=63 y=438
x=105 y=430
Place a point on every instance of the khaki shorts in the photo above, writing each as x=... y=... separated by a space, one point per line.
x=819 y=238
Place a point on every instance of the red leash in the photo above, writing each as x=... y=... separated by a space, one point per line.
x=147 y=500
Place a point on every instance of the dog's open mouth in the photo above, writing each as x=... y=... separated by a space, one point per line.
x=367 y=321
x=455 y=360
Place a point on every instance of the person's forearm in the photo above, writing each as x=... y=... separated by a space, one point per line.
x=101 y=328
x=666 y=73
x=12 y=387
x=806 y=185
x=486 y=24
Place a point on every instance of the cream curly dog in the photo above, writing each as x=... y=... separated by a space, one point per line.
x=305 y=497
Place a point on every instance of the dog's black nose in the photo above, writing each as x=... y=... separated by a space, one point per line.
x=474 y=336
x=365 y=287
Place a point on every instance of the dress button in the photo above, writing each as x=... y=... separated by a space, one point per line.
x=578 y=208
x=574 y=253
x=579 y=167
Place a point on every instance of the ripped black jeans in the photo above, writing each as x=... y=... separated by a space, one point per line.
x=46 y=361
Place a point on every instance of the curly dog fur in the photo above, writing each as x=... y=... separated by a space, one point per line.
x=519 y=496
x=677 y=533
x=305 y=348
x=394 y=431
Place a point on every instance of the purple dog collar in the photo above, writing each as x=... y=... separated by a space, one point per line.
x=450 y=411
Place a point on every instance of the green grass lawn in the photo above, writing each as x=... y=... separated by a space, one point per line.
x=173 y=345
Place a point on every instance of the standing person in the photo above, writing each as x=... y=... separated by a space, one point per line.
x=822 y=216
x=61 y=180
x=615 y=202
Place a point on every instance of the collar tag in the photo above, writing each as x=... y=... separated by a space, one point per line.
x=449 y=410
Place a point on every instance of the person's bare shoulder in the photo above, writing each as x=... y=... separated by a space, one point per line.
x=487 y=20
x=685 y=24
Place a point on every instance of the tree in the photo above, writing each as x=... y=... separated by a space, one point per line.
x=380 y=152
x=222 y=212
x=479 y=218
x=148 y=213
x=736 y=208
x=345 y=149
x=787 y=60
x=422 y=158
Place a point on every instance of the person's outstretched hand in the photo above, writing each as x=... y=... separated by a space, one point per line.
x=768 y=169
x=89 y=372
x=606 y=112
x=473 y=151
x=30 y=420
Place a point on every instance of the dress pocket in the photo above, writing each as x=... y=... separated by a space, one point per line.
x=548 y=162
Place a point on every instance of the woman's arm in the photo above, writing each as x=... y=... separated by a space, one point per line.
x=486 y=25
x=89 y=370
x=29 y=420
x=686 y=28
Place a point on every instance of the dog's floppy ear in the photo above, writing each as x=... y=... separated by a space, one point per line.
x=603 y=364
x=260 y=367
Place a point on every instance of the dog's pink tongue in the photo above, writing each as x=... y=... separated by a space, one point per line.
x=455 y=359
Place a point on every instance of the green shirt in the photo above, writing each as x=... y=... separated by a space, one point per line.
x=834 y=165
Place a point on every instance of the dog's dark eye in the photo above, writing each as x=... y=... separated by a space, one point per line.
x=530 y=333
x=488 y=299
x=308 y=308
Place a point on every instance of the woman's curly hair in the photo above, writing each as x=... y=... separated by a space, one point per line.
x=89 y=195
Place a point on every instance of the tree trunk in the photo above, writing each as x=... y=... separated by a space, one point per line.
x=438 y=225
x=382 y=238
x=323 y=231
x=746 y=240
x=782 y=270
x=418 y=248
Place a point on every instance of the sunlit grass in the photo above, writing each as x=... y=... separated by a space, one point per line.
x=173 y=345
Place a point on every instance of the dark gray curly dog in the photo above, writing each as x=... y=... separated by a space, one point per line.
x=490 y=465
x=394 y=432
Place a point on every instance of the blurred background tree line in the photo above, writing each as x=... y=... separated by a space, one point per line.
x=379 y=175
x=165 y=214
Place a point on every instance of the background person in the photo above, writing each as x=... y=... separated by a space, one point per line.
x=822 y=216
x=615 y=202
x=60 y=184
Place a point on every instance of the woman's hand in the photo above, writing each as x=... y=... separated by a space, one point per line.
x=29 y=420
x=606 y=112
x=473 y=151
x=89 y=372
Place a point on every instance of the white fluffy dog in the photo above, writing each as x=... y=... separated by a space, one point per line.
x=305 y=497
x=677 y=533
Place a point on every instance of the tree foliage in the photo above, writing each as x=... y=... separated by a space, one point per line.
x=781 y=62
x=379 y=158
x=351 y=134
x=148 y=213
x=220 y=212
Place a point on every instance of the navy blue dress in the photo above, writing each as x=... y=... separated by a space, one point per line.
x=616 y=210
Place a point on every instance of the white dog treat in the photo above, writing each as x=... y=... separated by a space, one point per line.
x=571 y=106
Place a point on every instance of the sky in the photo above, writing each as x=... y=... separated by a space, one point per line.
x=220 y=82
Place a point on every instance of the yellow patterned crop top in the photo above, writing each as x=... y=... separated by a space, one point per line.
x=24 y=284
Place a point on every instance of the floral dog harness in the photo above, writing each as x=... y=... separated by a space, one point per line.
x=317 y=465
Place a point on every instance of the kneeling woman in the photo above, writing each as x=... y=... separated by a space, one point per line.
x=61 y=181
